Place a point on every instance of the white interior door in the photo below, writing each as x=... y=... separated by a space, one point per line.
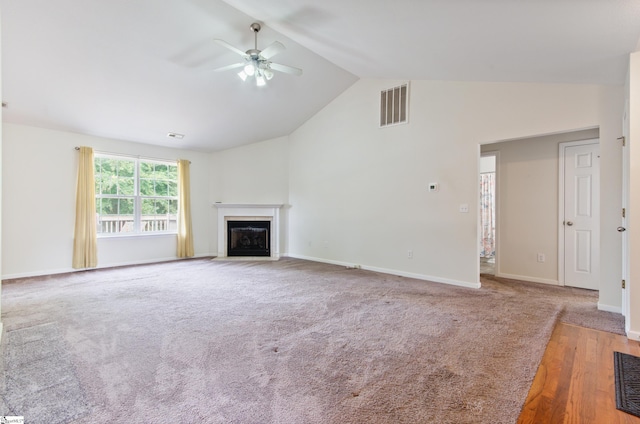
x=581 y=222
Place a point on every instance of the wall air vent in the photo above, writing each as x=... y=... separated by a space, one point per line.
x=394 y=106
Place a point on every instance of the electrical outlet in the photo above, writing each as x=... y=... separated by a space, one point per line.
x=464 y=208
x=410 y=254
x=541 y=257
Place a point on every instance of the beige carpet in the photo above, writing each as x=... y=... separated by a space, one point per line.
x=292 y=341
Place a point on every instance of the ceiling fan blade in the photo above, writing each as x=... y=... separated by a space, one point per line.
x=286 y=69
x=226 y=68
x=272 y=50
x=230 y=47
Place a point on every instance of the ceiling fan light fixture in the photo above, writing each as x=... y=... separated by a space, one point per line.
x=249 y=69
x=260 y=81
x=242 y=75
x=268 y=74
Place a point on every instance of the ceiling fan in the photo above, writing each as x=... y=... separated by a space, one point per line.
x=256 y=62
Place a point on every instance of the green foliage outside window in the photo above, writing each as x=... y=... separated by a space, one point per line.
x=114 y=177
x=124 y=183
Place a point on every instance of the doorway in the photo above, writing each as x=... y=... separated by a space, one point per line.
x=526 y=229
x=488 y=208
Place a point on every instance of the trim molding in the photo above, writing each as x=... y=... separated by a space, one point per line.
x=609 y=308
x=633 y=335
x=528 y=279
x=70 y=270
x=391 y=272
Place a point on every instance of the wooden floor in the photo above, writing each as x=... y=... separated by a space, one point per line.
x=575 y=381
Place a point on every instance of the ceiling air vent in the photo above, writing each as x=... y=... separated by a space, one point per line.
x=394 y=106
x=175 y=135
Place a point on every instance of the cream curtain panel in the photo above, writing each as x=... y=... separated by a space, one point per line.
x=185 y=233
x=85 y=242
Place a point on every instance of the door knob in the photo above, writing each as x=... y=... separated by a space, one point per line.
x=621 y=229
x=569 y=223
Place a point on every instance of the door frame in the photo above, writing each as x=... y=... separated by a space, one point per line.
x=625 y=235
x=625 y=217
x=561 y=197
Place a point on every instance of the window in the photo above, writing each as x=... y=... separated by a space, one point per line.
x=135 y=196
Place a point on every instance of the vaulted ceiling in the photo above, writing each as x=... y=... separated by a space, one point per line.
x=139 y=69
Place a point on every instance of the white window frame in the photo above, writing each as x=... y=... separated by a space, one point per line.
x=137 y=197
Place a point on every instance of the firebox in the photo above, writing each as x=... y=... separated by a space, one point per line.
x=248 y=238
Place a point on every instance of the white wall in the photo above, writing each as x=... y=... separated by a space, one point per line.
x=527 y=210
x=38 y=210
x=359 y=195
x=256 y=173
x=611 y=105
x=634 y=196
x=1 y=184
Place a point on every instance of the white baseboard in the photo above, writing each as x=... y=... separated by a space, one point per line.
x=528 y=278
x=113 y=265
x=633 y=335
x=390 y=271
x=38 y=273
x=609 y=308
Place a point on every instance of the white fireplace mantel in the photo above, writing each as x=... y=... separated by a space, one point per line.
x=248 y=212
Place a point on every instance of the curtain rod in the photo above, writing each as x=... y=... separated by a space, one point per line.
x=120 y=154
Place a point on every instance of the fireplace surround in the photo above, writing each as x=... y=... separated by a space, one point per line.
x=248 y=216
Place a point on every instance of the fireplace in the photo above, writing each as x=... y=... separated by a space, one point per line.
x=248 y=238
x=248 y=215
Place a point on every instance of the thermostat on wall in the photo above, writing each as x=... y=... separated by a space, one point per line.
x=433 y=187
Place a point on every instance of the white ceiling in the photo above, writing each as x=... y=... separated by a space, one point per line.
x=138 y=69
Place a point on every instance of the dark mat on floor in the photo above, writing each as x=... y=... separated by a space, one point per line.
x=627 y=373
